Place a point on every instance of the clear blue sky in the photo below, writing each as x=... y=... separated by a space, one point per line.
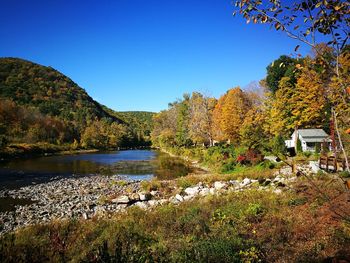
x=141 y=55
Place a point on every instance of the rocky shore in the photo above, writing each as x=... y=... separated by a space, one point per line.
x=90 y=196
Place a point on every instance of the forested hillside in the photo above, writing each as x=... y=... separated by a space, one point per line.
x=141 y=123
x=38 y=104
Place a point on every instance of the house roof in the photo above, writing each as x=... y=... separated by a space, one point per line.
x=315 y=133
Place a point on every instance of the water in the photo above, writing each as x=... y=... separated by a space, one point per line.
x=135 y=164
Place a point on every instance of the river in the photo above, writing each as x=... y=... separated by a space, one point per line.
x=133 y=164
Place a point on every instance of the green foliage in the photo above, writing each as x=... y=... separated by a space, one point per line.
x=140 y=125
x=39 y=104
x=284 y=66
x=278 y=145
x=299 y=147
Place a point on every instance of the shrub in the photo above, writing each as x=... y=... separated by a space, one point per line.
x=254 y=156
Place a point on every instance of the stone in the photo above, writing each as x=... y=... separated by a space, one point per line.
x=154 y=193
x=245 y=182
x=188 y=197
x=123 y=199
x=261 y=180
x=277 y=191
x=145 y=196
x=314 y=167
x=192 y=190
x=204 y=192
x=179 y=198
x=267 y=182
x=219 y=185
x=85 y=216
x=142 y=205
x=152 y=202
x=212 y=191
x=134 y=197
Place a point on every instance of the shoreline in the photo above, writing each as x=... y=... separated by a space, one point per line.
x=31 y=151
x=194 y=163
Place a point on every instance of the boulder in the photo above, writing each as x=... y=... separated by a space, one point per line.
x=145 y=196
x=220 y=185
x=135 y=197
x=179 y=198
x=123 y=199
x=192 y=190
x=142 y=205
x=245 y=182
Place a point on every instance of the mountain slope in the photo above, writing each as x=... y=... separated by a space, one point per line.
x=31 y=84
x=38 y=104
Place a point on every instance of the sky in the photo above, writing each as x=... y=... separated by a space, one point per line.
x=141 y=55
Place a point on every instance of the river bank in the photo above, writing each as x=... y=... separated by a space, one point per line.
x=90 y=196
x=24 y=150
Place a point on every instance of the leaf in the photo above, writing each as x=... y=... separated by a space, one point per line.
x=296 y=48
x=277 y=26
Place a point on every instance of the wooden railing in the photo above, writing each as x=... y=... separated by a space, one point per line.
x=330 y=163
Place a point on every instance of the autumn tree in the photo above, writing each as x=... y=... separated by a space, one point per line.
x=252 y=131
x=229 y=113
x=200 y=118
x=164 y=128
x=305 y=21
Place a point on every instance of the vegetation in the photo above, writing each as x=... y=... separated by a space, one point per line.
x=249 y=226
x=39 y=105
x=140 y=124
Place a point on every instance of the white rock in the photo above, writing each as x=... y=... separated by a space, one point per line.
x=145 y=196
x=179 y=198
x=188 y=197
x=245 y=182
x=219 y=185
x=142 y=205
x=173 y=200
x=212 y=191
x=123 y=199
x=154 y=193
x=152 y=202
x=277 y=191
x=192 y=190
x=85 y=216
x=314 y=167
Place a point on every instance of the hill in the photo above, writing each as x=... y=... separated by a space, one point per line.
x=38 y=104
x=140 y=123
x=45 y=88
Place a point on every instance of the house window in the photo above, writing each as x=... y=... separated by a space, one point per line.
x=311 y=145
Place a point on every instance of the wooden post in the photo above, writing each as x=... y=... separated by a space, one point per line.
x=327 y=163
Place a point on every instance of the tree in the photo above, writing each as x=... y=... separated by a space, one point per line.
x=200 y=121
x=229 y=113
x=309 y=101
x=328 y=18
x=182 y=137
x=278 y=145
x=252 y=132
x=284 y=66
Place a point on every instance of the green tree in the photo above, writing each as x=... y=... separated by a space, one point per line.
x=284 y=66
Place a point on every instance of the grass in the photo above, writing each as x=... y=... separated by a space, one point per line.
x=249 y=226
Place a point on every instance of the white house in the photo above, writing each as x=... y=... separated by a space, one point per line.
x=309 y=139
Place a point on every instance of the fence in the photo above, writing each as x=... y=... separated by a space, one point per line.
x=330 y=163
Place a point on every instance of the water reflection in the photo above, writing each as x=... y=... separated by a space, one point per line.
x=142 y=163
